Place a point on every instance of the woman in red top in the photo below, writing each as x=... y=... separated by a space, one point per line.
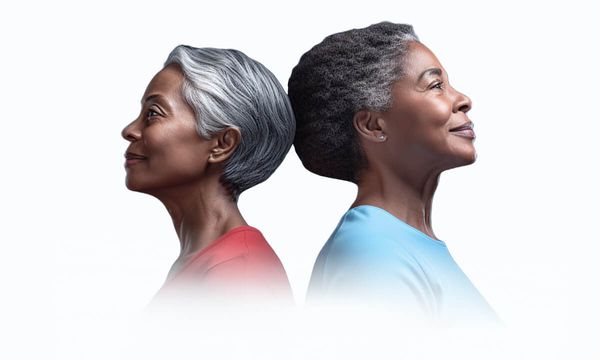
x=213 y=123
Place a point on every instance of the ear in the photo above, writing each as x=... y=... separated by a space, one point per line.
x=225 y=143
x=369 y=125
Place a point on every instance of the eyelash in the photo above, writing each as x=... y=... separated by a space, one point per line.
x=438 y=85
x=151 y=114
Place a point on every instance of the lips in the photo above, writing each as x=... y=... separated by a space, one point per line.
x=466 y=126
x=133 y=156
x=464 y=130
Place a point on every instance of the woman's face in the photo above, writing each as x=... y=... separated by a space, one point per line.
x=165 y=150
x=427 y=123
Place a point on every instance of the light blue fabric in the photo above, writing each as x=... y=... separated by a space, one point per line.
x=375 y=258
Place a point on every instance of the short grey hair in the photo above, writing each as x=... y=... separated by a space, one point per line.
x=228 y=89
x=347 y=72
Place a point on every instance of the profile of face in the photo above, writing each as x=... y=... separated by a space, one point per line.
x=165 y=149
x=427 y=122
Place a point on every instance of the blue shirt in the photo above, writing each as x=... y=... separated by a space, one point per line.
x=375 y=258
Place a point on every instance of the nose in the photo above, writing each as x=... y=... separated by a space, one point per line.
x=132 y=132
x=462 y=102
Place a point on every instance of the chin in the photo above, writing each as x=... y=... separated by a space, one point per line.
x=133 y=185
x=468 y=158
x=465 y=155
x=462 y=159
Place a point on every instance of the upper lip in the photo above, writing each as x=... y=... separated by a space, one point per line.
x=467 y=125
x=132 y=155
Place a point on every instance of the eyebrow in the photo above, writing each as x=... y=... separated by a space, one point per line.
x=150 y=97
x=432 y=71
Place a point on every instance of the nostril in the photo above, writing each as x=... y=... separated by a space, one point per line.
x=131 y=132
x=126 y=134
x=462 y=102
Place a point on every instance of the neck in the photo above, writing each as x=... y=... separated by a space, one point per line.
x=201 y=213
x=409 y=198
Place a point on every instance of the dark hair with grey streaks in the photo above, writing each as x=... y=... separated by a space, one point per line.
x=347 y=72
x=226 y=89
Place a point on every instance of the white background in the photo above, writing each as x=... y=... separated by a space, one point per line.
x=80 y=254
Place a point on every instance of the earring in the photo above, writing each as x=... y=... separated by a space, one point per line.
x=381 y=137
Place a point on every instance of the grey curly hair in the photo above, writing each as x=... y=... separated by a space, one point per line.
x=347 y=72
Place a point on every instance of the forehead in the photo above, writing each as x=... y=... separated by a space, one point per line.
x=167 y=82
x=418 y=59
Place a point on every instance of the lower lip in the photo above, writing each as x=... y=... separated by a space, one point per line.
x=467 y=133
x=130 y=162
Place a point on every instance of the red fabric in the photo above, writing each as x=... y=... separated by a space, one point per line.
x=239 y=262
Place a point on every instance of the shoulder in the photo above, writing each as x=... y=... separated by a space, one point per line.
x=366 y=257
x=239 y=248
x=247 y=253
x=369 y=246
x=362 y=235
x=254 y=244
x=241 y=241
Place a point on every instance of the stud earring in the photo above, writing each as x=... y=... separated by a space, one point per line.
x=381 y=137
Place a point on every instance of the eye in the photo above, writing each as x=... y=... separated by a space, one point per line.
x=151 y=115
x=437 y=85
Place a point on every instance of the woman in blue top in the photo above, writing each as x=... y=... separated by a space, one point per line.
x=374 y=106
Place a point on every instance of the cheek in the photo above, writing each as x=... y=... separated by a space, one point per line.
x=428 y=134
x=437 y=114
x=176 y=152
x=434 y=124
x=430 y=124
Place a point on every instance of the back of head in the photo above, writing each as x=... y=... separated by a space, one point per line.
x=226 y=88
x=345 y=73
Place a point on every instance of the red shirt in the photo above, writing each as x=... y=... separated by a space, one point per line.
x=239 y=264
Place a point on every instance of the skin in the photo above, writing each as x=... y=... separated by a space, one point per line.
x=408 y=146
x=167 y=159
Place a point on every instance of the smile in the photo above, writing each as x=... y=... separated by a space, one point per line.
x=133 y=158
x=465 y=130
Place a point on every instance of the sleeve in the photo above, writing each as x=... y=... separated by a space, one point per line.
x=249 y=278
